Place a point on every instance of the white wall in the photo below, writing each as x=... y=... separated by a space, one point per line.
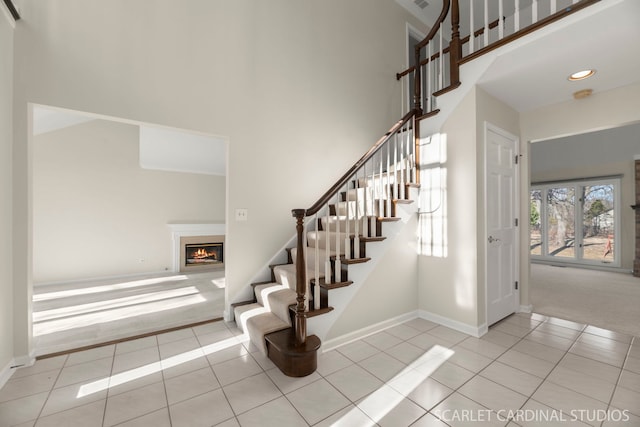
x=448 y=284
x=97 y=213
x=301 y=90
x=6 y=136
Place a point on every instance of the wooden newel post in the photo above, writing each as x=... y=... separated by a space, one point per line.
x=455 y=47
x=300 y=326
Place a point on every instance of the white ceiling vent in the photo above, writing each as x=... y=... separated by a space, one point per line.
x=421 y=3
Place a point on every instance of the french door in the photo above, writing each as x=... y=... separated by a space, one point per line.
x=576 y=221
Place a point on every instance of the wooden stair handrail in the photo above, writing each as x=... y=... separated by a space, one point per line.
x=367 y=156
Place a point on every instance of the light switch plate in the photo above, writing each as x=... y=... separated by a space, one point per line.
x=242 y=214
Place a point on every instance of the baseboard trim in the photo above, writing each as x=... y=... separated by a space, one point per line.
x=476 y=331
x=334 y=343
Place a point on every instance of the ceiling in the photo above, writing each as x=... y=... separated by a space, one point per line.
x=160 y=148
x=604 y=37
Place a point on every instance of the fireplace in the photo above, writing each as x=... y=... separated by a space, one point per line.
x=199 y=253
x=197 y=247
x=203 y=254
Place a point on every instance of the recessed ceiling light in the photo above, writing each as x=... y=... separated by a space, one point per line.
x=581 y=75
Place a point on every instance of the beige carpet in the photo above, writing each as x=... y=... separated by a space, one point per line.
x=606 y=300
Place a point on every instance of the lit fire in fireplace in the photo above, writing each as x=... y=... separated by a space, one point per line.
x=207 y=253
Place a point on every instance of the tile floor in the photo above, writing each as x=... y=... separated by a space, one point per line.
x=527 y=370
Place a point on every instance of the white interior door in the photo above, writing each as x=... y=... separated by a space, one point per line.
x=501 y=180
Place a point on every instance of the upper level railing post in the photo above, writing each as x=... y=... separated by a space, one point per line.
x=417 y=93
x=300 y=326
x=455 y=47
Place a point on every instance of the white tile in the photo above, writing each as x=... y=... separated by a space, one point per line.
x=632 y=364
x=627 y=399
x=604 y=343
x=630 y=380
x=40 y=366
x=128 y=380
x=590 y=367
x=264 y=361
x=483 y=347
x=522 y=322
x=288 y=384
x=134 y=403
x=529 y=364
x=566 y=323
x=451 y=375
x=317 y=401
x=96 y=369
x=251 y=392
x=387 y=407
x=448 y=334
x=358 y=350
x=135 y=359
x=581 y=383
x=205 y=410
x=382 y=340
x=89 y=415
x=619 y=417
x=236 y=369
x=559 y=331
x=428 y=420
x=137 y=344
x=176 y=335
x=92 y=354
x=27 y=386
x=403 y=331
x=22 y=409
x=422 y=325
x=550 y=340
x=214 y=337
x=179 y=347
x=429 y=393
x=189 y=385
x=354 y=382
x=565 y=400
x=426 y=341
x=383 y=366
x=232 y=352
x=278 y=412
x=347 y=417
x=405 y=352
x=501 y=338
x=159 y=418
x=535 y=414
x=492 y=395
x=458 y=410
x=594 y=352
x=512 y=378
x=469 y=359
x=63 y=398
x=511 y=329
x=625 y=338
x=174 y=367
x=332 y=361
x=209 y=328
x=540 y=351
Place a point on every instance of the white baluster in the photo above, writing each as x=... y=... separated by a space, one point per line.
x=356 y=238
x=381 y=188
x=472 y=38
x=305 y=252
x=500 y=20
x=554 y=7
x=486 y=23
x=395 y=162
x=534 y=11
x=336 y=265
x=401 y=164
x=365 y=220
x=516 y=17
x=429 y=65
x=347 y=238
x=441 y=58
x=327 y=248
x=388 y=199
x=316 y=289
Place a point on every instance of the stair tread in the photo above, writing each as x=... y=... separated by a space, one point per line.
x=388 y=218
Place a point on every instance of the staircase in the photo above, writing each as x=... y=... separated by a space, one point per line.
x=352 y=214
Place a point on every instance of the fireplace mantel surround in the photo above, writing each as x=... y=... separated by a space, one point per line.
x=186 y=230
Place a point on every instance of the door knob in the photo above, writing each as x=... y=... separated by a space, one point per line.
x=492 y=239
